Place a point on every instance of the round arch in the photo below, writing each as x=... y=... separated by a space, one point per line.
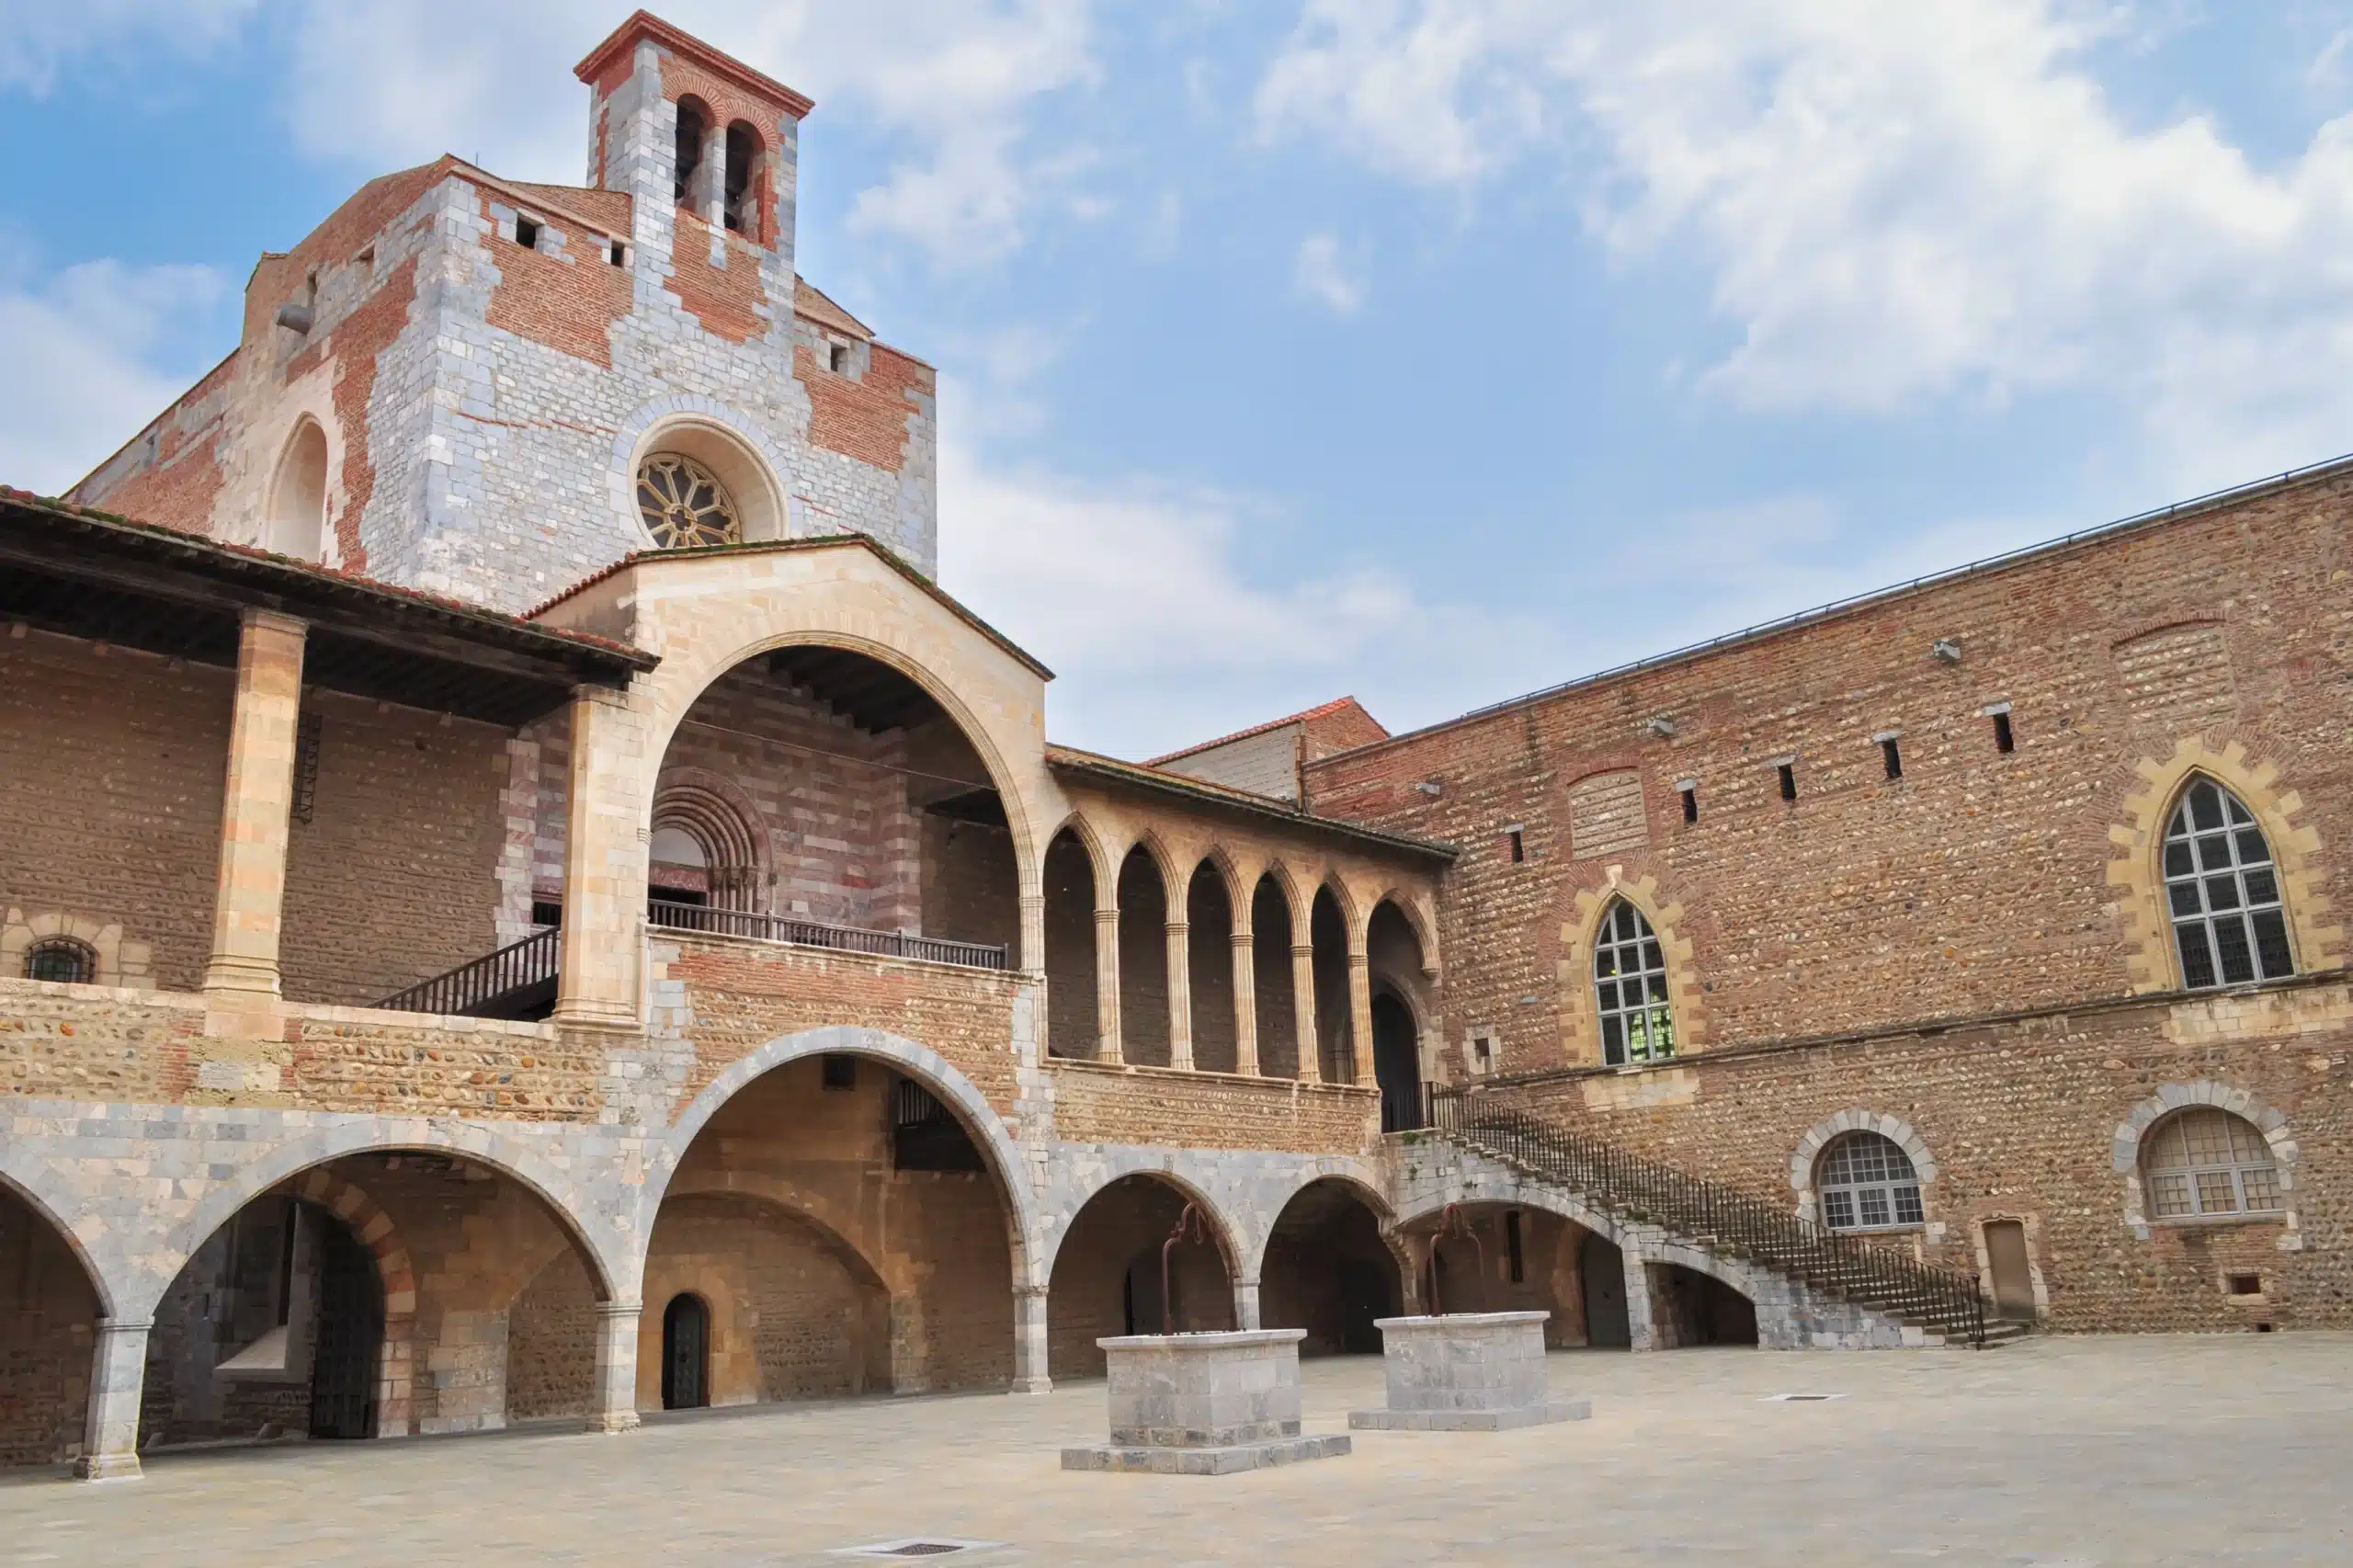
x=611 y=1255
x=2125 y=1147
x=1120 y=1166
x=1806 y=1159
x=296 y=509
x=1359 y=1187
x=814 y=1210
x=724 y=439
x=917 y=1061
x=46 y=1208
x=714 y=811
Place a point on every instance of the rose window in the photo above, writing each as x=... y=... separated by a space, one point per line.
x=684 y=505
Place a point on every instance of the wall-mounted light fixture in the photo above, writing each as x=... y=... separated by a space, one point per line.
x=1661 y=726
x=1947 y=650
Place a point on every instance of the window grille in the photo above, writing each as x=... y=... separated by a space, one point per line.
x=61 y=958
x=1630 y=981
x=684 y=504
x=2209 y=1162
x=1867 y=1183
x=2223 y=892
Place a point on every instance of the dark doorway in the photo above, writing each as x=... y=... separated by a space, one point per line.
x=1699 y=1309
x=1397 y=1063
x=2013 y=1279
x=686 y=1354
x=1602 y=1268
x=1364 y=1296
x=351 y=1333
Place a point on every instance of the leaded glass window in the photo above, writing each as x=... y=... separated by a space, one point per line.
x=1630 y=981
x=2204 y=1161
x=61 y=958
x=1867 y=1183
x=2222 y=892
x=684 y=504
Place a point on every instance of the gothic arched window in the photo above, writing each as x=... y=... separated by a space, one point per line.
x=1629 y=984
x=2222 y=892
x=1867 y=1183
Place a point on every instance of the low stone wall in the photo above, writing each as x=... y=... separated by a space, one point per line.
x=1095 y=1103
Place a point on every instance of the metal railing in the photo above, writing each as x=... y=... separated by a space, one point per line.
x=1717 y=1217
x=721 y=922
x=515 y=968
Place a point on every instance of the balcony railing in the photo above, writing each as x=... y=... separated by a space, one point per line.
x=750 y=922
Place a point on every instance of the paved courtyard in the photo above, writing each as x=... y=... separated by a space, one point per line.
x=2113 y=1451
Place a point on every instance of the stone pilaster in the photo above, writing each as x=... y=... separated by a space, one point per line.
x=250 y=893
x=118 y=1375
x=1180 y=995
x=1030 y=1341
x=1246 y=1003
x=614 y=1409
x=603 y=865
x=1107 y=984
x=1360 y=1017
x=1302 y=990
x=1031 y=957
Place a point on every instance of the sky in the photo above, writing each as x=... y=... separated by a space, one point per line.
x=1428 y=350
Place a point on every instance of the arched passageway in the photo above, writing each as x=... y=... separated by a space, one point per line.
x=1335 y=1022
x=1143 y=961
x=1209 y=924
x=1328 y=1271
x=1270 y=938
x=1689 y=1308
x=1107 y=1276
x=1073 y=1021
x=49 y=1311
x=1494 y=1258
x=819 y=796
x=372 y=1296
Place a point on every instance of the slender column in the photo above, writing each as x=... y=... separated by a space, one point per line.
x=1303 y=991
x=712 y=201
x=1180 y=995
x=1246 y=1304
x=1107 y=984
x=1246 y=1003
x=1029 y=1340
x=1641 y=1321
x=250 y=895
x=1031 y=954
x=615 y=1396
x=603 y=865
x=118 y=1374
x=1360 y=1017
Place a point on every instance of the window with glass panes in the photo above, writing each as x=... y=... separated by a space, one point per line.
x=2208 y=1162
x=61 y=958
x=1867 y=1183
x=1630 y=981
x=2223 y=892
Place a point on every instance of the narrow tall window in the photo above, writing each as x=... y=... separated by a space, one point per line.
x=740 y=210
x=1892 y=756
x=692 y=128
x=1867 y=1183
x=1514 y=844
x=1690 y=794
x=838 y=358
x=2203 y=1162
x=1789 y=773
x=2003 y=740
x=527 y=233
x=1629 y=984
x=2222 y=892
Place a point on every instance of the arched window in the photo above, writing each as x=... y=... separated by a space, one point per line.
x=62 y=959
x=1867 y=1183
x=683 y=503
x=2204 y=1160
x=1630 y=981
x=694 y=124
x=2222 y=892
x=740 y=207
x=298 y=496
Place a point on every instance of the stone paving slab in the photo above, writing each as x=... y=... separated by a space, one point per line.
x=2128 y=1452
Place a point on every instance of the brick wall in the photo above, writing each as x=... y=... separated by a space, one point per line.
x=46 y=1316
x=1097 y=1103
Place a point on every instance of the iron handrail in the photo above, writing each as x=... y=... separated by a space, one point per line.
x=457 y=993
x=722 y=921
x=1717 y=1216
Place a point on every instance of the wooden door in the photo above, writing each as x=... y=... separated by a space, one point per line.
x=686 y=1354
x=2013 y=1281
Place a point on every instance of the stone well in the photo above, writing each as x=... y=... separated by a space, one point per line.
x=1204 y=1404
x=1466 y=1372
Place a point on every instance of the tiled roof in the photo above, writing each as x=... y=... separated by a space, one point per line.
x=1111 y=769
x=1317 y=712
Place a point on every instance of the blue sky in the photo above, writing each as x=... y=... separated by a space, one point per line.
x=1429 y=349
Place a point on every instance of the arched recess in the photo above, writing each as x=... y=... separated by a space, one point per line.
x=687 y=176
x=1145 y=911
x=1805 y=1161
x=1327 y=1268
x=1071 y=874
x=2136 y=871
x=741 y=207
x=832 y=1128
x=1273 y=902
x=1106 y=1271
x=50 y=1301
x=297 y=508
x=1404 y=1001
x=2125 y=1149
x=1210 y=928
x=1330 y=921
x=1581 y=1040
x=725 y=441
x=720 y=820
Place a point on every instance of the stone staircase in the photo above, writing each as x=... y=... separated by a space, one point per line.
x=1819 y=1285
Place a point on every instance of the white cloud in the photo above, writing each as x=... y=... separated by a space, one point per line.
x=83 y=347
x=950 y=81
x=39 y=37
x=1323 y=276
x=1893 y=202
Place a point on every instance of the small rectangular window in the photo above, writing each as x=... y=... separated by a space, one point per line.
x=2003 y=740
x=1789 y=772
x=1512 y=1248
x=840 y=358
x=1892 y=756
x=840 y=1070
x=527 y=233
x=546 y=911
x=617 y=253
x=1515 y=844
x=2246 y=1284
x=1690 y=794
